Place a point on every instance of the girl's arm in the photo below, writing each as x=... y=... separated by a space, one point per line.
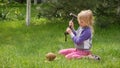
x=84 y=36
x=74 y=32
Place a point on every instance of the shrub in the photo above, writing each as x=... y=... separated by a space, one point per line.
x=3 y=11
x=107 y=12
x=62 y=8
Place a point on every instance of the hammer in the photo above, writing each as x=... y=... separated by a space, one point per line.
x=73 y=17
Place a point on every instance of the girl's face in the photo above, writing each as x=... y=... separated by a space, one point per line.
x=82 y=23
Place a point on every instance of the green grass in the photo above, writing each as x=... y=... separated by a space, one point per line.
x=26 y=47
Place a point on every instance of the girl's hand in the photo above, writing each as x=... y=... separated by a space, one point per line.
x=71 y=24
x=68 y=30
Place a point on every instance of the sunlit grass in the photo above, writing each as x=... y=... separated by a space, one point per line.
x=25 y=47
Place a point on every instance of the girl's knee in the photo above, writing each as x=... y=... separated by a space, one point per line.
x=60 y=52
x=68 y=57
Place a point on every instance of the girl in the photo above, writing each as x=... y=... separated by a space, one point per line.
x=82 y=38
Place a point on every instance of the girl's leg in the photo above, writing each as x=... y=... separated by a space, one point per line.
x=67 y=51
x=73 y=55
x=77 y=54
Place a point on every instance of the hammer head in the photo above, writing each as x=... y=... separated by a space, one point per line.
x=71 y=14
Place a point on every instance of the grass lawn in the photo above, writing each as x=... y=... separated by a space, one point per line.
x=26 y=47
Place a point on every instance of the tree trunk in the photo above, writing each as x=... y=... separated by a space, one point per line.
x=35 y=2
x=28 y=12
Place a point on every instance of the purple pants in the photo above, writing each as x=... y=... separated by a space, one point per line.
x=73 y=53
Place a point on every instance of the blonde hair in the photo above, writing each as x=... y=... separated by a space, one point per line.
x=87 y=17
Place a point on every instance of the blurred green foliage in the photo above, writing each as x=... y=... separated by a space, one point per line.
x=106 y=12
x=10 y=13
x=62 y=8
x=3 y=11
